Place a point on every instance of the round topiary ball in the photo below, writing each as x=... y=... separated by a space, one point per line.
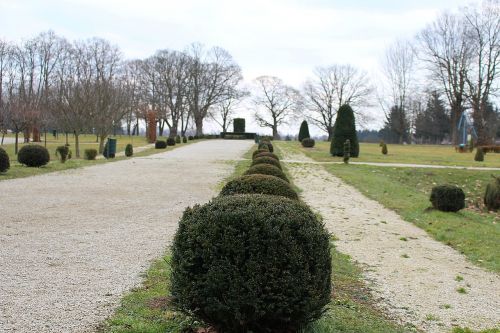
x=259 y=184
x=4 y=160
x=267 y=143
x=492 y=195
x=447 y=198
x=267 y=169
x=266 y=160
x=170 y=141
x=266 y=154
x=33 y=156
x=308 y=143
x=160 y=144
x=258 y=151
x=254 y=263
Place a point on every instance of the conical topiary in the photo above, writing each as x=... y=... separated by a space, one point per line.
x=479 y=157
x=344 y=129
x=384 y=149
x=304 y=131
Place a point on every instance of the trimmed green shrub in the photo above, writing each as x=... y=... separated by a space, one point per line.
x=33 y=156
x=268 y=144
x=90 y=154
x=160 y=144
x=447 y=198
x=170 y=142
x=344 y=129
x=492 y=195
x=384 y=149
x=266 y=154
x=184 y=139
x=239 y=125
x=195 y=137
x=62 y=152
x=258 y=151
x=129 y=150
x=479 y=157
x=347 y=151
x=259 y=184
x=263 y=146
x=177 y=139
x=267 y=169
x=266 y=160
x=308 y=143
x=251 y=263
x=304 y=131
x=4 y=160
x=190 y=138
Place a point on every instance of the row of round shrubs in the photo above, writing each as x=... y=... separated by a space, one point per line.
x=162 y=144
x=254 y=259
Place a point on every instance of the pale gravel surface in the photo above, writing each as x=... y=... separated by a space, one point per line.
x=415 y=289
x=72 y=242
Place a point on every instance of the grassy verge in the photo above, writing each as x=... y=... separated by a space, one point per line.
x=147 y=309
x=20 y=171
x=408 y=154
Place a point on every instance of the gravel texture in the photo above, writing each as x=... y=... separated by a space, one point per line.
x=413 y=280
x=72 y=242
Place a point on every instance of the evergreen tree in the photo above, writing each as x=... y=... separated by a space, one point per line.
x=397 y=127
x=304 y=131
x=433 y=124
x=344 y=129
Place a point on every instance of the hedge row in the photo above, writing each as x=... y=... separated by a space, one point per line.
x=254 y=259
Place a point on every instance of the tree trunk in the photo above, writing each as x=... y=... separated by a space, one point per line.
x=173 y=129
x=26 y=135
x=36 y=134
x=275 y=132
x=101 y=143
x=330 y=133
x=3 y=137
x=198 y=121
x=16 y=146
x=77 y=145
x=161 y=127
x=480 y=125
x=67 y=143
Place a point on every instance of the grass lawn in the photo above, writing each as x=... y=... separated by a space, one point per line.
x=352 y=310
x=472 y=231
x=86 y=142
x=410 y=154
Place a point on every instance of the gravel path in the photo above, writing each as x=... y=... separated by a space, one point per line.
x=413 y=280
x=72 y=242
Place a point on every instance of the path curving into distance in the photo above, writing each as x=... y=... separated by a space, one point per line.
x=420 y=289
x=73 y=242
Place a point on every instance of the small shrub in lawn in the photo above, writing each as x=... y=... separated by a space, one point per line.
x=251 y=263
x=62 y=152
x=492 y=195
x=263 y=146
x=90 y=154
x=267 y=169
x=184 y=139
x=259 y=184
x=33 y=156
x=4 y=160
x=258 y=151
x=196 y=137
x=267 y=154
x=384 y=149
x=308 y=143
x=447 y=198
x=177 y=139
x=160 y=144
x=266 y=160
x=190 y=138
x=170 y=142
x=479 y=157
x=129 y=150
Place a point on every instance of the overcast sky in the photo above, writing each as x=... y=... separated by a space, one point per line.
x=284 y=38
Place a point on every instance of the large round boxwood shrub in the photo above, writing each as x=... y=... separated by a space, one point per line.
x=447 y=198
x=308 y=143
x=129 y=150
x=492 y=195
x=266 y=154
x=160 y=144
x=267 y=160
x=33 y=156
x=251 y=263
x=170 y=141
x=259 y=184
x=267 y=169
x=264 y=143
x=4 y=160
x=258 y=151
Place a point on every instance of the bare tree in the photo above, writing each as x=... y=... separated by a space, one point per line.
x=398 y=68
x=223 y=111
x=446 y=51
x=330 y=88
x=5 y=55
x=484 y=38
x=212 y=75
x=275 y=102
